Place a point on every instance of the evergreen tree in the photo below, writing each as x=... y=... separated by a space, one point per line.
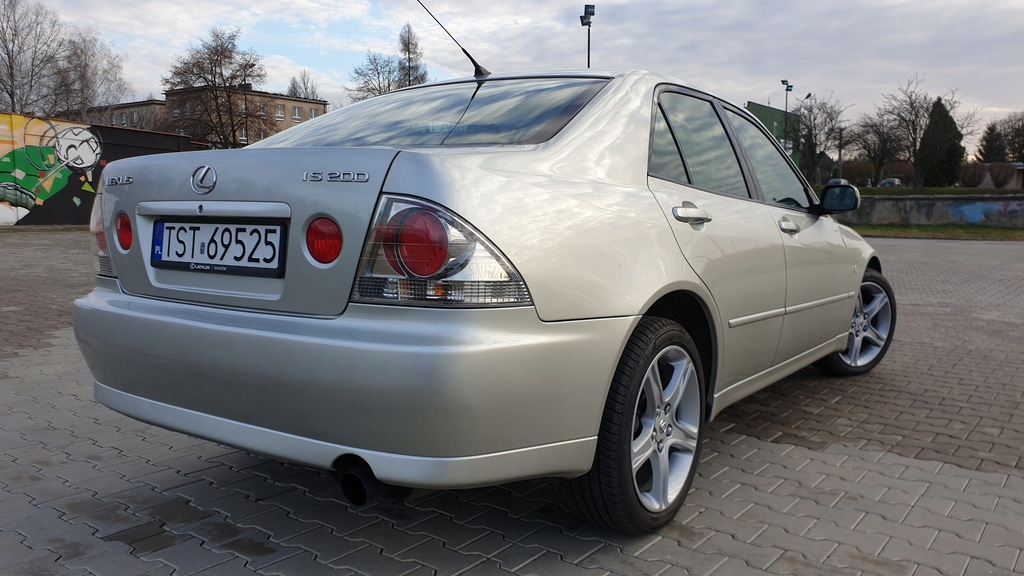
x=411 y=71
x=992 y=147
x=941 y=152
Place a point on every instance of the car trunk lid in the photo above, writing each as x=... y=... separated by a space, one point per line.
x=228 y=228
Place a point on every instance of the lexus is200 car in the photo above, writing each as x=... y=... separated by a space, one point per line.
x=479 y=281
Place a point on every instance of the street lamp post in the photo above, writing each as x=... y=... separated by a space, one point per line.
x=588 y=13
x=785 y=121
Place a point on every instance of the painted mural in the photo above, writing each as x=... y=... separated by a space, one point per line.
x=43 y=160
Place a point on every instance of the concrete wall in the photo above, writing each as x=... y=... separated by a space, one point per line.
x=1005 y=211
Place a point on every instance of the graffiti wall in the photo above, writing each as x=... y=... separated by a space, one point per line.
x=50 y=169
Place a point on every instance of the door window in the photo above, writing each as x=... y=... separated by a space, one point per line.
x=779 y=183
x=707 y=154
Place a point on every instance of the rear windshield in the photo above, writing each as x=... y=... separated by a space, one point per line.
x=493 y=112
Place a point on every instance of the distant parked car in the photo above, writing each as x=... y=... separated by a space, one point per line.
x=479 y=281
x=889 y=182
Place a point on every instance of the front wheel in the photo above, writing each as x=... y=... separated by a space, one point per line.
x=649 y=443
x=871 y=329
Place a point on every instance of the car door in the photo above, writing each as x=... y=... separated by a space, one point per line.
x=820 y=282
x=725 y=234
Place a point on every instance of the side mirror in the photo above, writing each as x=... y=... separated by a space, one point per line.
x=837 y=198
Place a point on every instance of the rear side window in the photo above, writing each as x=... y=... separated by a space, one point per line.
x=490 y=112
x=708 y=158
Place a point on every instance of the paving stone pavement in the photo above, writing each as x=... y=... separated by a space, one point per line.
x=912 y=470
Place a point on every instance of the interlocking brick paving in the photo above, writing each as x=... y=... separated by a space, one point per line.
x=914 y=469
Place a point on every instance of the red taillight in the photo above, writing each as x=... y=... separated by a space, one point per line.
x=416 y=242
x=323 y=240
x=123 y=226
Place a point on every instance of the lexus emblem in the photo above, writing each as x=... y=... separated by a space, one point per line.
x=204 y=179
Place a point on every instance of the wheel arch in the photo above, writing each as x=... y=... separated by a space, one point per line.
x=692 y=313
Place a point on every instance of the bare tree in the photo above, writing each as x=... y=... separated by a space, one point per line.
x=51 y=68
x=90 y=78
x=215 y=81
x=305 y=86
x=377 y=75
x=908 y=109
x=820 y=121
x=875 y=136
x=32 y=43
x=1012 y=128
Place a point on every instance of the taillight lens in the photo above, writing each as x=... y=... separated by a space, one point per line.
x=104 y=265
x=123 y=227
x=323 y=240
x=420 y=254
x=415 y=242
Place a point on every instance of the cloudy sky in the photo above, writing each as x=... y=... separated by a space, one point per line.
x=852 y=50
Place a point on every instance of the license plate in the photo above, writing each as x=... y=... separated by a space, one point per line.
x=220 y=247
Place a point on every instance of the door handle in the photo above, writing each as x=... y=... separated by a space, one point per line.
x=689 y=213
x=788 y=226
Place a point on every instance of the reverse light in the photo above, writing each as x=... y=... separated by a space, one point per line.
x=420 y=254
x=324 y=240
x=104 y=265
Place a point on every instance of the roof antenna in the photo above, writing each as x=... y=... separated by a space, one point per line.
x=478 y=70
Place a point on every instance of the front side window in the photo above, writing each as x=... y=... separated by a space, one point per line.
x=490 y=112
x=709 y=157
x=779 y=183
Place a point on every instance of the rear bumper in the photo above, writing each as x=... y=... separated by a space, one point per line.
x=429 y=398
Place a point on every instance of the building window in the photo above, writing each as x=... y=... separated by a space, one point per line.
x=312 y=113
x=124 y=119
x=135 y=118
x=188 y=108
x=262 y=133
x=243 y=135
x=279 y=111
x=176 y=111
x=297 y=113
x=261 y=110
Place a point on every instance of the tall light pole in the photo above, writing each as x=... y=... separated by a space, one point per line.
x=588 y=12
x=785 y=121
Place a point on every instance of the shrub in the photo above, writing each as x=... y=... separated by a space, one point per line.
x=972 y=174
x=1001 y=173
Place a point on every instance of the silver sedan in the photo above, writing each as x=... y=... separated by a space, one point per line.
x=480 y=281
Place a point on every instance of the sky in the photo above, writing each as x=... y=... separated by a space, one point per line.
x=851 y=51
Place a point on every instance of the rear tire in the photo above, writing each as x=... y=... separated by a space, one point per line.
x=871 y=329
x=649 y=443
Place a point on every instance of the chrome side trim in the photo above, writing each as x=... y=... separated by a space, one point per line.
x=818 y=303
x=743 y=321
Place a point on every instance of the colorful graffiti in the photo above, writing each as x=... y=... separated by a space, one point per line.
x=40 y=158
